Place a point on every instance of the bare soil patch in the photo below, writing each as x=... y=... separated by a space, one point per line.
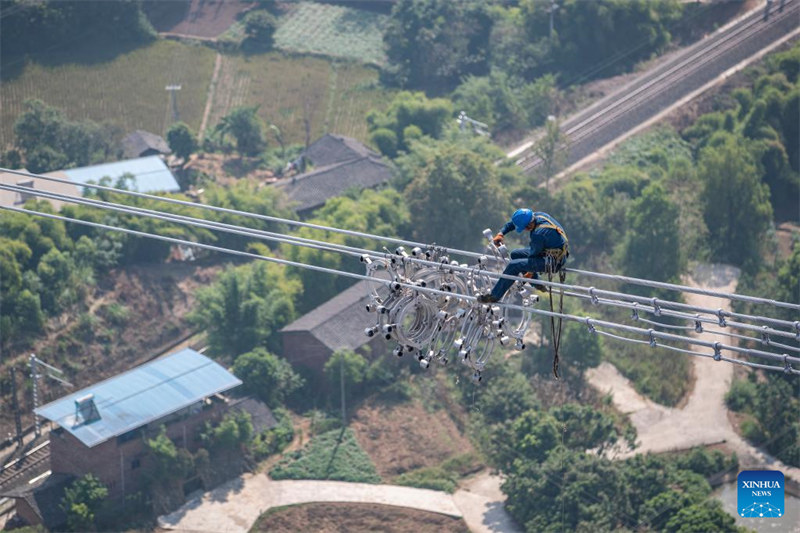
x=340 y=517
x=196 y=18
x=400 y=438
x=226 y=170
x=787 y=234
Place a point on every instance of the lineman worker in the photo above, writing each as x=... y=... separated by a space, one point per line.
x=548 y=250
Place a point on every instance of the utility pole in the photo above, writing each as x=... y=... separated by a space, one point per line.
x=173 y=100
x=477 y=127
x=15 y=406
x=52 y=373
x=35 y=387
x=553 y=8
x=341 y=383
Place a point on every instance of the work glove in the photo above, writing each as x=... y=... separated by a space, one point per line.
x=498 y=239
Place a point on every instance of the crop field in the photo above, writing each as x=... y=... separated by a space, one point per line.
x=128 y=90
x=333 y=96
x=335 y=31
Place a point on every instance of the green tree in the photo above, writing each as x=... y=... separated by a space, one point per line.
x=776 y=404
x=597 y=494
x=182 y=140
x=588 y=488
x=49 y=141
x=244 y=124
x=245 y=307
x=408 y=109
x=81 y=502
x=702 y=517
x=234 y=430
x=260 y=26
x=351 y=365
x=736 y=204
x=506 y=397
x=44 y=26
x=454 y=196
x=431 y=44
x=378 y=212
x=266 y=376
x=168 y=463
x=651 y=247
x=524 y=46
x=586 y=428
x=530 y=437
x=55 y=272
x=551 y=149
x=788 y=281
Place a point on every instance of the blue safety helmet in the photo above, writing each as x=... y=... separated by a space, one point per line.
x=521 y=218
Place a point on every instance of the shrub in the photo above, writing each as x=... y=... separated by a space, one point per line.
x=443 y=477
x=276 y=439
x=434 y=478
x=386 y=141
x=752 y=431
x=115 y=313
x=740 y=395
x=260 y=26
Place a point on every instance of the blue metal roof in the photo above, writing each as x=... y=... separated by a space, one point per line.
x=152 y=175
x=141 y=395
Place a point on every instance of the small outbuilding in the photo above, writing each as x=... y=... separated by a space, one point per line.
x=142 y=143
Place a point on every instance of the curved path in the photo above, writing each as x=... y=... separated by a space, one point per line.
x=703 y=420
x=234 y=506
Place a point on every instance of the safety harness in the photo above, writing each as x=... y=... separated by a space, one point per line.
x=554 y=260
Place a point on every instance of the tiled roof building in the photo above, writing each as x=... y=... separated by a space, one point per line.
x=142 y=144
x=340 y=164
x=337 y=324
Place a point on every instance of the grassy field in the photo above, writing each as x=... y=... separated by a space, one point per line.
x=128 y=90
x=333 y=31
x=334 y=96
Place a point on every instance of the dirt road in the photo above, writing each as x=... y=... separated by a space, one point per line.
x=704 y=418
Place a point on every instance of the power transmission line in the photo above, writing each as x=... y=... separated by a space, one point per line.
x=592 y=324
x=656 y=309
x=465 y=253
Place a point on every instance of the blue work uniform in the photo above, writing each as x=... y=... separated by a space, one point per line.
x=547 y=251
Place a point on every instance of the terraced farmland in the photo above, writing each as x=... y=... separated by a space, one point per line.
x=128 y=90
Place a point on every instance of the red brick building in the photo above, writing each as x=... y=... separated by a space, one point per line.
x=103 y=428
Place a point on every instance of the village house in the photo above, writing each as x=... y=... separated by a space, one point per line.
x=102 y=429
x=339 y=163
x=337 y=324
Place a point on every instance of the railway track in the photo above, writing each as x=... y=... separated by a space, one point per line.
x=649 y=94
x=23 y=469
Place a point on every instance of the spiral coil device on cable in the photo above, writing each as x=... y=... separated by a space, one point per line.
x=437 y=326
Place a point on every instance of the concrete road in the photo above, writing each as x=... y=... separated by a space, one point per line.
x=235 y=506
x=704 y=417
